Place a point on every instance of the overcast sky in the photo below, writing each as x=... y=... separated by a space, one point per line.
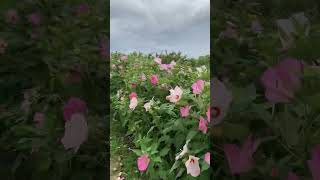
x=156 y=25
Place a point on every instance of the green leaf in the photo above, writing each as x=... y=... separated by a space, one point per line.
x=164 y=151
x=191 y=134
x=235 y=131
x=137 y=152
x=175 y=166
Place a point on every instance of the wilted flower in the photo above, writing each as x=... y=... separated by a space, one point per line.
x=175 y=94
x=192 y=165
x=143 y=163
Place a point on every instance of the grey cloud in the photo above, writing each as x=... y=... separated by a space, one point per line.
x=154 y=25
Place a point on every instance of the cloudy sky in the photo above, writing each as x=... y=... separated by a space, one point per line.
x=156 y=25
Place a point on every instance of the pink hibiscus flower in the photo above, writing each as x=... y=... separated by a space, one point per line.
x=203 y=125
x=240 y=159
x=132 y=95
x=184 y=111
x=207 y=157
x=74 y=105
x=282 y=80
x=221 y=99
x=198 y=87
x=143 y=163
x=154 y=79
x=192 y=165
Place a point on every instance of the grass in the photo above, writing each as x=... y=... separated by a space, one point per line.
x=119 y=150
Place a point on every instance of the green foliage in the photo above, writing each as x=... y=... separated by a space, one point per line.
x=161 y=132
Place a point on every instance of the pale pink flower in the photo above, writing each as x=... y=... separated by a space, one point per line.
x=221 y=99
x=207 y=157
x=198 y=87
x=143 y=163
x=158 y=60
x=35 y=18
x=292 y=176
x=192 y=165
x=124 y=58
x=12 y=16
x=165 y=67
x=184 y=150
x=175 y=94
x=184 y=111
x=208 y=113
x=133 y=103
x=154 y=79
x=203 y=125
x=240 y=160
x=143 y=77
x=148 y=105
x=76 y=132
x=172 y=64
x=74 y=105
x=314 y=163
x=282 y=81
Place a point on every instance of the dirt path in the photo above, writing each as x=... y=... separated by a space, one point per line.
x=114 y=168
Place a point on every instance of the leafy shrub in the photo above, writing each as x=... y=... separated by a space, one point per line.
x=159 y=131
x=276 y=132
x=49 y=53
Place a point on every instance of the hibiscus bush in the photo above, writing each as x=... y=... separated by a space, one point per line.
x=265 y=89
x=53 y=110
x=162 y=103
